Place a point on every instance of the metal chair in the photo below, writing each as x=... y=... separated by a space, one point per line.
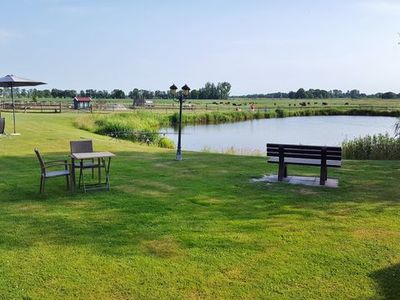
x=45 y=174
x=83 y=146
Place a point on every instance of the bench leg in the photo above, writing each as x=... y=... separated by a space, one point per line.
x=281 y=172
x=323 y=175
x=285 y=172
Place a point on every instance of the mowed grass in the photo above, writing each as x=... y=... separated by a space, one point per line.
x=196 y=229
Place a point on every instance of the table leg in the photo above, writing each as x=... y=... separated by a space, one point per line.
x=99 y=169
x=107 y=170
x=81 y=176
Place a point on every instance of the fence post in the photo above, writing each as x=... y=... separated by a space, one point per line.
x=60 y=107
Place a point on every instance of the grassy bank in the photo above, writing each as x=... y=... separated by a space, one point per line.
x=236 y=116
x=140 y=127
x=192 y=229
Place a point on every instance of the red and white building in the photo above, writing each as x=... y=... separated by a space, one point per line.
x=82 y=102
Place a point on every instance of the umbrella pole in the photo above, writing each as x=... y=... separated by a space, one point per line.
x=13 y=105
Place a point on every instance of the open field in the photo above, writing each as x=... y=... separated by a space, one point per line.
x=192 y=229
x=215 y=111
x=168 y=106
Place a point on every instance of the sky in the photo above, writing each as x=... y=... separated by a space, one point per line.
x=258 y=46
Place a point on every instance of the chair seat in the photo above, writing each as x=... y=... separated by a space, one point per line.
x=57 y=173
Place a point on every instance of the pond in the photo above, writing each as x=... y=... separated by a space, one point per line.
x=251 y=136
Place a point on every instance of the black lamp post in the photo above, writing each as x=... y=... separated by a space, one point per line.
x=181 y=98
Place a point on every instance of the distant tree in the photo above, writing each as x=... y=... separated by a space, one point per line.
x=389 y=95
x=23 y=93
x=117 y=94
x=90 y=93
x=212 y=91
x=194 y=94
x=134 y=94
x=102 y=94
x=337 y=94
x=160 y=95
x=223 y=90
x=147 y=94
x=46 y=93
x=301 y=94
x=355 y=94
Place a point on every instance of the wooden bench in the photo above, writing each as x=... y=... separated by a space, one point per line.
x=304 y=155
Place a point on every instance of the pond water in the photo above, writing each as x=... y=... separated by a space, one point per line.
x=251 y=136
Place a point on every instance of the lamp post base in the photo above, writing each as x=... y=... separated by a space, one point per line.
x=179 y=156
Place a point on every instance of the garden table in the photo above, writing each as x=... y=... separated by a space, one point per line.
x=101 y=157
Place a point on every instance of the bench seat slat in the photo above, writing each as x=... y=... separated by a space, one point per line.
x=306 y=162
x=304 y=151
x=285 y=150
x=305 y=147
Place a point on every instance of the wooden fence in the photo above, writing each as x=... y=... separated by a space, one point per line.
x=32 y=107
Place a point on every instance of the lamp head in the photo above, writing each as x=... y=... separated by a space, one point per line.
x=173 y=88
x=185 y=90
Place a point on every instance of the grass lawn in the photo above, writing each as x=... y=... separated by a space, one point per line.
x=192 y=229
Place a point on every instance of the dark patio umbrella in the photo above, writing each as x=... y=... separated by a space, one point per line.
x=12 y=81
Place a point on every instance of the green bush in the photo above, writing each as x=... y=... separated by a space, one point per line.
x=166 y=143
x=280 y=113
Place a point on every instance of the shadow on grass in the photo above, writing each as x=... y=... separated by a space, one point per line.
x=388 y=280
x=205 y=201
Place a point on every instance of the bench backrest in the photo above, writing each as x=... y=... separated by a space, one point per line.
x=304 y=151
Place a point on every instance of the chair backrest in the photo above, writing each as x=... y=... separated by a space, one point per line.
x=83 y=146
x=304 y=151
x=2 y=125
x=41 y=160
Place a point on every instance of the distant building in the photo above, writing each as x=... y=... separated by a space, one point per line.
x=148 y=103
x=142 y=102
x=82 y=102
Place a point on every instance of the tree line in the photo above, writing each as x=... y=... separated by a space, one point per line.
x=323 y=94
x=209 y=91
x=220 y=90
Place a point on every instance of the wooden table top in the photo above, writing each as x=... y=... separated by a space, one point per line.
x=90 y=155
